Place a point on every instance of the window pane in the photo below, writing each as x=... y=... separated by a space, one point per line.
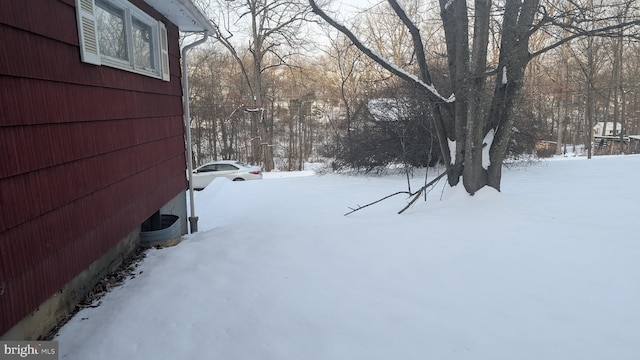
x=143 y=48
x=111 y=30
x=207 y=168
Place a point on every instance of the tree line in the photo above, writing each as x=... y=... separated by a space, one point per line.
x=413 y=82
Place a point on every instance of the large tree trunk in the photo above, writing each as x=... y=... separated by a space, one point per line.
x=456 y=28
x=475 y=174
x=514 y=57
x=483 y=135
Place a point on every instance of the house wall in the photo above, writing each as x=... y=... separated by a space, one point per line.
x=87 y=152
x=63 y=303
x=597 y=129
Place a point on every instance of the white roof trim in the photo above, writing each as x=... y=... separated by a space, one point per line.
x=184 y=14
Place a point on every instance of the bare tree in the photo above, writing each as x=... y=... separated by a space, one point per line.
x=348 y=72
x=274 y=31
x=588 y=56
x=474 y=131
x=217 y=106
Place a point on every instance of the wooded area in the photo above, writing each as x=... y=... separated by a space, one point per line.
x=425 y=82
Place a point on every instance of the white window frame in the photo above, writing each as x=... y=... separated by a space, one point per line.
x=89 y=41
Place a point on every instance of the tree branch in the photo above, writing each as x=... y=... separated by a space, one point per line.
x=430 y=88
x=375 y=202
x=416 y=38
x=416 y=196
x=606 y=31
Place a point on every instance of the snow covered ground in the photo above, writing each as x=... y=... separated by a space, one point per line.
x=547 y=269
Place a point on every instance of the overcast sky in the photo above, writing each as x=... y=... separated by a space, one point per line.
x=353 y=6
x=358 y=3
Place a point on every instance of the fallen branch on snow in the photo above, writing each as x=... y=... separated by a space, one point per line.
x=415 y=196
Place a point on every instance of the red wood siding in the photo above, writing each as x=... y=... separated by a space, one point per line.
x=87 y=153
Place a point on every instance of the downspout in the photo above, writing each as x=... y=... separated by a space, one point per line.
x=193 y=219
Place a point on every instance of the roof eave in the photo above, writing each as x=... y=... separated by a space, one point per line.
x=184 y=14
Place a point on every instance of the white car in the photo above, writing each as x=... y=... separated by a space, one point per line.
x=231 y=169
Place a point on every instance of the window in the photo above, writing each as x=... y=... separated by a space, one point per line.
x=227 y=167
x=116 y=33
x=207 y=168
x=112 y=37
x=143 y=45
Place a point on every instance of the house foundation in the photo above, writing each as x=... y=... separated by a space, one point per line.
x=55 y=309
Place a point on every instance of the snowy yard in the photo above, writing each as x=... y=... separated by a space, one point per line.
x=547 y=269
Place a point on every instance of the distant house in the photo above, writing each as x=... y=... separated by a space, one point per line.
x=634 y=144
x=545 y=148
x=597 y=129
x=92 y=144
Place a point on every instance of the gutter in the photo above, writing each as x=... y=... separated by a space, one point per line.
x=193 y=219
